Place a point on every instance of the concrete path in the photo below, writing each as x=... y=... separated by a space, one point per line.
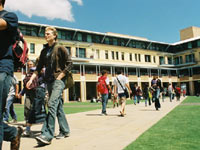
x=91 y=131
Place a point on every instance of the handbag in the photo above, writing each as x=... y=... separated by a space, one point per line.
x=125 y=90
x=69 y=81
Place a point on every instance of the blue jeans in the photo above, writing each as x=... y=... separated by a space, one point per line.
x=135 y=99
x=10 y=109
x=55 y=108
x=6 y=132
x=104 y=102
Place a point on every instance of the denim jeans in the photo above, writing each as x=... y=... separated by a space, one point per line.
x=135 y=99
x=55 y=108
x=104 y=102
x=6 y=132
x=10 y=109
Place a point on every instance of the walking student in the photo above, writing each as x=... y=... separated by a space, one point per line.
x=121 y=83
x=57 y=61
x=8 y=33
x=103 y=88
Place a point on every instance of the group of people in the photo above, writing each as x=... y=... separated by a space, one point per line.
x=56 y=62
x=151 y=94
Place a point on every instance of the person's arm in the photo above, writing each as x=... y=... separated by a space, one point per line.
x=34 y=75
x=16 y=90
x=127 y=85
x=3 y=24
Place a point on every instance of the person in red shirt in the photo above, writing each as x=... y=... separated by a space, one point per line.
x=178 y=93
x=103 y=88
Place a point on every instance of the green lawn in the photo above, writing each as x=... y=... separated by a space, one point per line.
x=69 y=108
x=179 y=130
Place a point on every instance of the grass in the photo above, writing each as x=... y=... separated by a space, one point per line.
x=69 y=108
x=179 y=130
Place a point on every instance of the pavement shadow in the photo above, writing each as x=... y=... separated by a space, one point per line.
x=102 y=115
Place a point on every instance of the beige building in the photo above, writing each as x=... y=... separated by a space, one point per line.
x=138 y=57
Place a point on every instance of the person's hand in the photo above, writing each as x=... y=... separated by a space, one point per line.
x=19 y=96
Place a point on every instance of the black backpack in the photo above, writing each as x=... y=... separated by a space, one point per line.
x=19 y=48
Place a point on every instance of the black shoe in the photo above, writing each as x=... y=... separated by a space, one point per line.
x=42 y=140
x=15 y=143
x=62 y=135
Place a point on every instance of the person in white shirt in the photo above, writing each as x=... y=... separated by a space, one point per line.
x=120 y=84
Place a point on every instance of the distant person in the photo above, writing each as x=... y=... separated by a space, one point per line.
x=121 y=83
x=103 y=88
x=13 y=93
x=8 y=34
x=170 y=92
x=139 y=94
x=134 y=93
x=178 y=93
x=146 y=94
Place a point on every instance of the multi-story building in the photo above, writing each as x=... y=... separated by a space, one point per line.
x=139 y=58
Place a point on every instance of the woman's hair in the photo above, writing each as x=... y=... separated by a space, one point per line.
x=54 y=31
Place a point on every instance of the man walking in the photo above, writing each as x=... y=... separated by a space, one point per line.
x=8 y=32
x=121 y=83
x=58 y=63
x=102 y=88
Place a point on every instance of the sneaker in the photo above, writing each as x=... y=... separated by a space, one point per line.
x=62 y=135
x=42 y=140
x=27 y=133
x=16 y=142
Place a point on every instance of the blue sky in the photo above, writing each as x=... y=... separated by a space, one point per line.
x=157 y=20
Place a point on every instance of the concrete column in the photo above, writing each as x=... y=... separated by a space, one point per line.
x=83 y=91
x=66 y=96
x=191 y=87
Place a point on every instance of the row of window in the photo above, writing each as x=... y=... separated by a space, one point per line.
x=73 y=35
x=81 y=53
x=95 y=69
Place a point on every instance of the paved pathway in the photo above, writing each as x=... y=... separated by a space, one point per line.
x=91 y=131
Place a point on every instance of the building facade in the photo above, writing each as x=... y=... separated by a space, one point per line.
x=139 y=58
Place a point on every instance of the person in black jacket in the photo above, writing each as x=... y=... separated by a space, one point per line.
x=8 y=33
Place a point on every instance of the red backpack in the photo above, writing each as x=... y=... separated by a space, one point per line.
x=20 y=51
x=101 y=86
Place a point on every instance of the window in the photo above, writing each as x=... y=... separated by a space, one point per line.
x=122 y=54
x=81 y=52
x=189 y=45
x=170 y=60
x=130 y=56
x=139 y=57
x=113 y=55
x=189 y=58
x=89 y=38
x=147 y=58
x=32 y=48
x=114 y=41
x=162 y=60
x=154 y=59
x=117 y=55
x=79 y=37
x=106 y=54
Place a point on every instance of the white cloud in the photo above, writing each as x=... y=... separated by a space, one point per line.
x=50 y=9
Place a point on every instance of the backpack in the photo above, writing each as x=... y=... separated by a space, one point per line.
x=101 y=86
x=20 y=51
x=19 y=48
